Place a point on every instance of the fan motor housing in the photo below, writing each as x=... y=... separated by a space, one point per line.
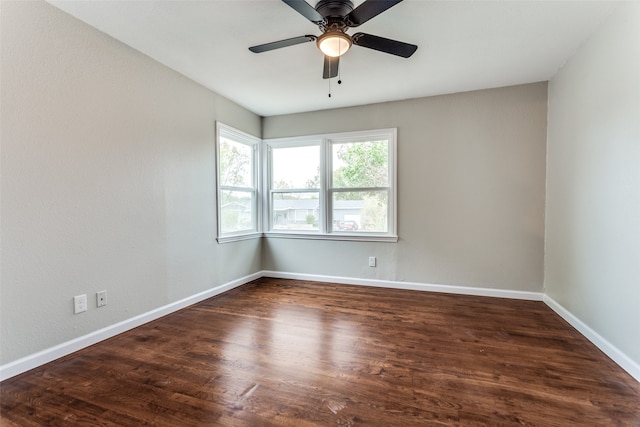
x=334 y=8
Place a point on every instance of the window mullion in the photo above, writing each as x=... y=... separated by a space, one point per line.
x=294 y=190
x=325 y=204
x=358 y=189
x=231 y=188
x=341 y=212
x=266 y=198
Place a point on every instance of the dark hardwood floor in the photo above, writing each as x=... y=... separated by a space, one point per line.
x=291 y=353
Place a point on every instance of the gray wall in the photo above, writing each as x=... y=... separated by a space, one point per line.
x=107 y=181
x=593 y=183
x=471 y=176
x=107 y=166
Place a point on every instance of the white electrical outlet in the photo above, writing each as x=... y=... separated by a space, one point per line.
x=372 y=261
x=101 y=298
x=79 y=303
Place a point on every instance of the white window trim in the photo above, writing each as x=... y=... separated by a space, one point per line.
x=292 y=142
x=325 y=228
x=245 y=138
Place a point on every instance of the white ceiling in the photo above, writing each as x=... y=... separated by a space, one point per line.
x=463 y=45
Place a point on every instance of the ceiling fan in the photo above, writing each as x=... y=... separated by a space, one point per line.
x=335 y=17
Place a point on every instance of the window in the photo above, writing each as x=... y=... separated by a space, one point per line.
x=360 y=185
x=339 y=186
x=295 y=187
x=238 y=200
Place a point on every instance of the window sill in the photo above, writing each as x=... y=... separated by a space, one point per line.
x=344 y=237
x=238 y=237
x=310 y=236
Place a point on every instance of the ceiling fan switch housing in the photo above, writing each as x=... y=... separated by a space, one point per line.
x=337 y=8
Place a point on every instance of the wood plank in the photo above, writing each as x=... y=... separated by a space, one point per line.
x=293 y=353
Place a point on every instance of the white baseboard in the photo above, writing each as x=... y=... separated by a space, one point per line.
x=50 y=354
x=45 y=356
x=607 y=348
x=464 y=290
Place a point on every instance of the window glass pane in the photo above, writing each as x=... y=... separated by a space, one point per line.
x=364 y=211
x=296 y=167
x=353 y=193
x=235 y=164
x=360 y=164
x=295 y=211
x=236 y=211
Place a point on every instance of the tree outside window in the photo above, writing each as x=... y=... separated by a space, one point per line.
x=237 y=182
x=341 y=184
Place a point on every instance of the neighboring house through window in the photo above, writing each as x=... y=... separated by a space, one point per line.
x=338 y=186
x=335 y=186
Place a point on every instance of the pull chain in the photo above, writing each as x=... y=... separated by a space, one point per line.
x=329 y=72
x=339 y=71
x=339 y=74
x=339 y=68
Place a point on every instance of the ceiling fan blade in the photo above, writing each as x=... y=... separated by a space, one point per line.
x=382 y=44
x=282 y=43
x=369 y=9
x=330 y=69
x=306 y=10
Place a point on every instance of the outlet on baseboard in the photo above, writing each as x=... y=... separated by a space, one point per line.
x=101 y=298
x=79 y=303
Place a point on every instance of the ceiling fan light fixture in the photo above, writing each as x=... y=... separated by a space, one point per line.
x=334 y=43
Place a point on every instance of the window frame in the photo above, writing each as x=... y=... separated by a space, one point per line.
x=228 y=132
x=268 y=180
x=325 y=223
